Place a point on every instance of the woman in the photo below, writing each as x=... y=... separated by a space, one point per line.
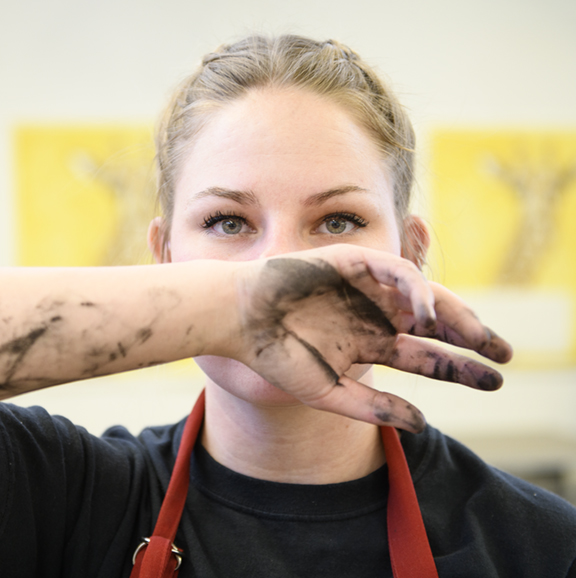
x=285 y=169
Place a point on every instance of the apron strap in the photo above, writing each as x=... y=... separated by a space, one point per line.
x=157 y=556
x=410 y=554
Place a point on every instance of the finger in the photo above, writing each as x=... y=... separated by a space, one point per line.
x=494 y=347
x=405 y=323
x=358 y=401
x=457 y=325
x=430 y=360
x=458 y=316
x=408 y=279
x=374 y=268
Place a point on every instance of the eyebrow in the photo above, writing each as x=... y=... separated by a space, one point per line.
x=249 y=198
x=241 y=197
x=320 y=198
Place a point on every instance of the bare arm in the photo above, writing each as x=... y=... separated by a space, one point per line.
x=64 y=324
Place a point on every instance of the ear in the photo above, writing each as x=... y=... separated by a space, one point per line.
x=157 y=243
x=415 y=240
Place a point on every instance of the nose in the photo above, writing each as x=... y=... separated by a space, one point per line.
x=278 y=242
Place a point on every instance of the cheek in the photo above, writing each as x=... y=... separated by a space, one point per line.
x=181 y=252
x=189 y=243
x=186 y=245
x=194 y=251
x=395 y=236
x=394 y=230
x=387 y=238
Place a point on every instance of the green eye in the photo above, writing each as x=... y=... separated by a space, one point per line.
x=226 y=224
x=336 y=226
x=231 y=226
x=341 y=223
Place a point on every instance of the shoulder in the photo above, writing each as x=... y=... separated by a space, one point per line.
x=28 y=433
x=20 y=425
x=470 y=505
x=59 y=481
x=47 y=457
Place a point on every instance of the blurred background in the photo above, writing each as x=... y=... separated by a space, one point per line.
x=491 y=89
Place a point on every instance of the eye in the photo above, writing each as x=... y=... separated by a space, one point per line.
x=226 y=224
x=230 y=226
x=340 y=223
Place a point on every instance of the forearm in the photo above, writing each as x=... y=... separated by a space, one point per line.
x=61 y=325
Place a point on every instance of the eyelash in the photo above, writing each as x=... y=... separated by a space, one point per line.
x=352 y=217
x=218 y=216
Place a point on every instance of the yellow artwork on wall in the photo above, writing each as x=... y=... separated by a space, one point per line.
x=504 y=216
x=84 y=197
x=84 y=194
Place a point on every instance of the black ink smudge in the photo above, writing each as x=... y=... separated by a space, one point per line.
x=299 y=280
x=143 y=364
x=142 y=335
x=23 y=344
x=489 y=381
x=286 y=281
x=437 y=373
x=91 y=370
x=262 y=349
x=19 y=347
x=96 y=351
x=330 y=373
x=451 y=372
x=383 y=416
x=51 y=306
x=444 y=369
x=416 y=422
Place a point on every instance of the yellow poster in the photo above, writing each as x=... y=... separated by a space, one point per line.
x=84 y=197
x=504 y=222
x=84 y=194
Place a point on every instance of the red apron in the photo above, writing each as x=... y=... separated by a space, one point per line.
x=410 y=554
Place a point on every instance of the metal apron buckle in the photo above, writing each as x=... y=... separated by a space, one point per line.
x=178 y=553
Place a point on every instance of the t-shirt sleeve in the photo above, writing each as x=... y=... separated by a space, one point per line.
x=70 y=503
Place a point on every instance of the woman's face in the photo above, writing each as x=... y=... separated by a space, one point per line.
x=275 y=172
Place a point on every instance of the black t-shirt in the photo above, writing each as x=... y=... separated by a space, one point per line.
x=75 y=505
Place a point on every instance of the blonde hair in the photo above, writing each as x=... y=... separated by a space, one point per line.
x=326 y=68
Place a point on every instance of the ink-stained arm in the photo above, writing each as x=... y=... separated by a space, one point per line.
x=299 y=320
x=60 y=325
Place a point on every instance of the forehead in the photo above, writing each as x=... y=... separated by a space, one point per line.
x=278 y=139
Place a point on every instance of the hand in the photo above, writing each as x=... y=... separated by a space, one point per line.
x=309 y=316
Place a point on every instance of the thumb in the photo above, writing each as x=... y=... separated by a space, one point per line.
x=358 y=401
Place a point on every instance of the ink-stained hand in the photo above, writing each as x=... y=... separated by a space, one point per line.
x=309 y=316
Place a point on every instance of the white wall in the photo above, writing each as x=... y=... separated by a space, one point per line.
x=453 y=62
